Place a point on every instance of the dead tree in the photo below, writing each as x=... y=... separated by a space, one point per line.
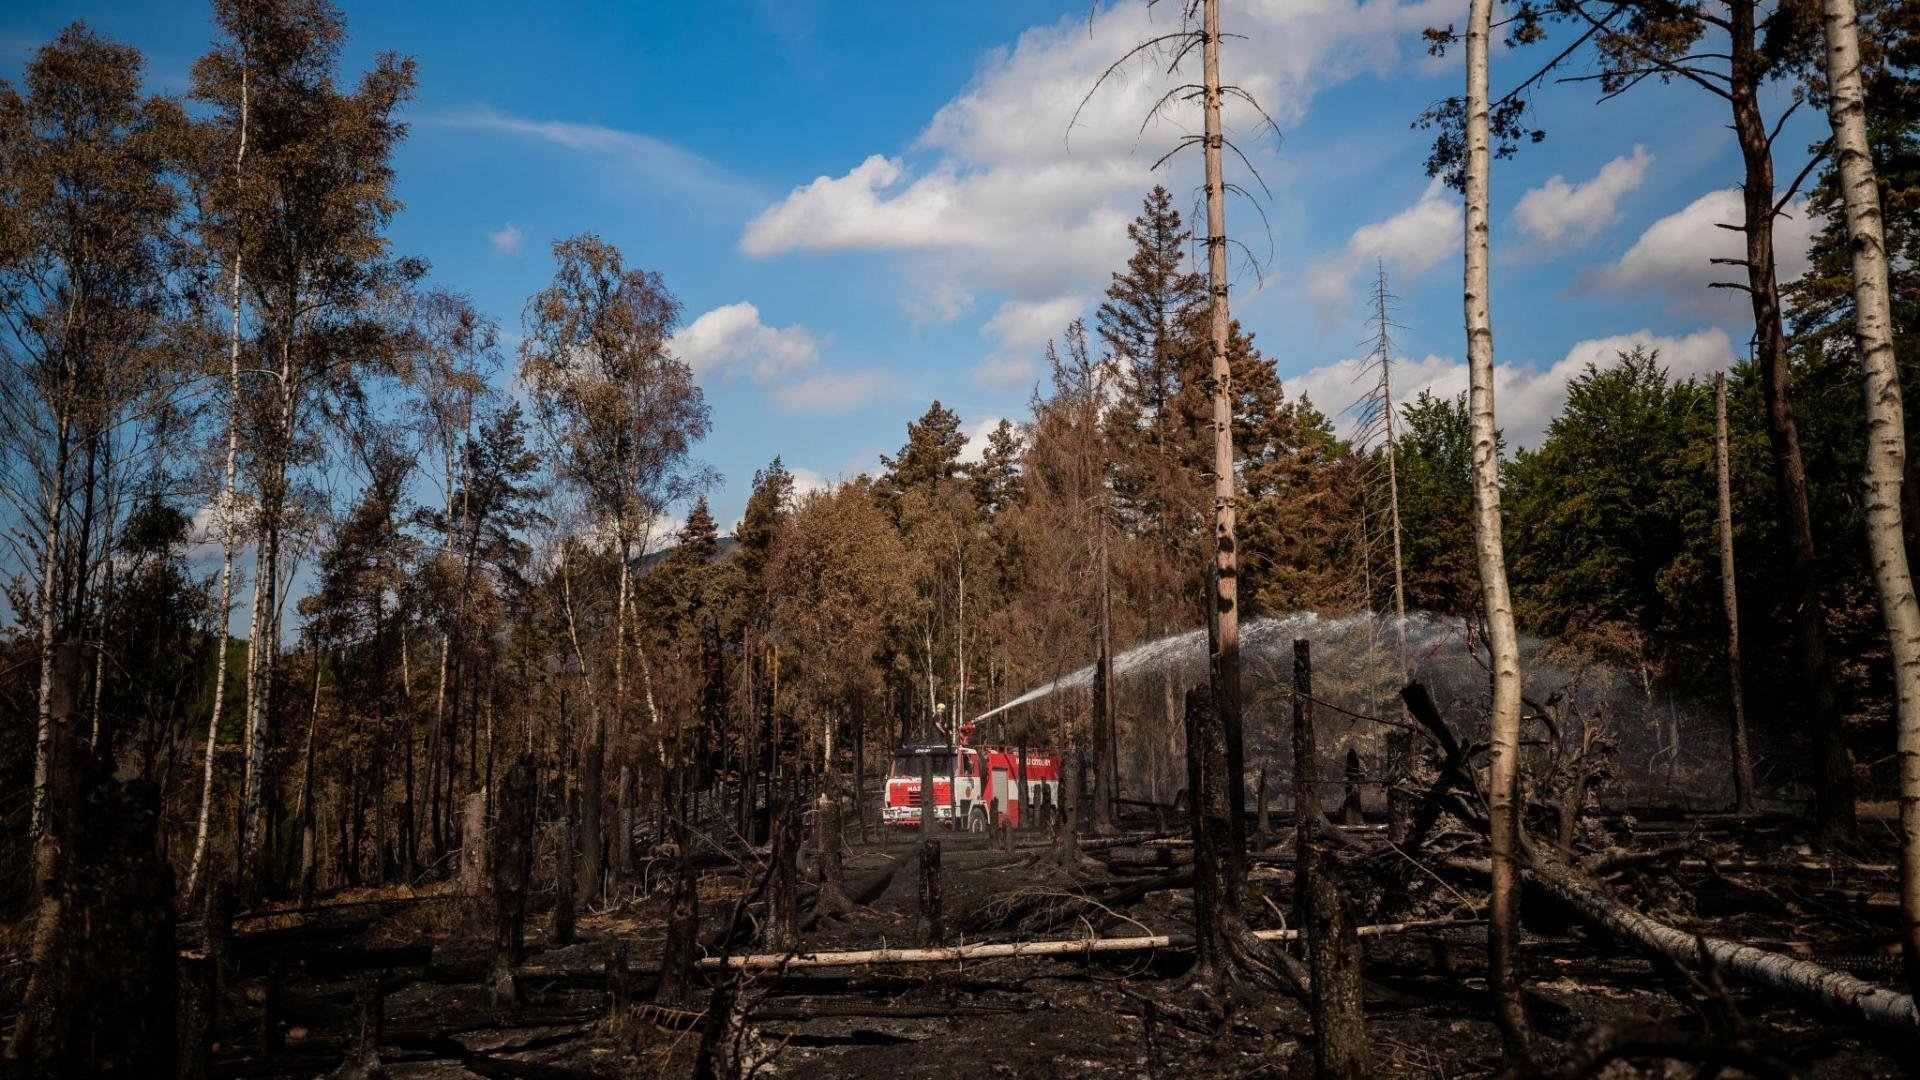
x=933 y=927
x=1333 y=952
x=1730 y=601
x=102 y=996
x=1224 y=946
x=683 y=926
x=565 y=908
x=827 y=841
x=511 y=865
x=783 y=900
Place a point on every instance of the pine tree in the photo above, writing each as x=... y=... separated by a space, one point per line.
x=931 y=454
x=996 y=478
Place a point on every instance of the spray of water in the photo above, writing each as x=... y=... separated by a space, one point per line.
x=1375 y=636
x=1358 y=670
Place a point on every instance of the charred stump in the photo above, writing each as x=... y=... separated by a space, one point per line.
x=683 y=928
x=827 y=842
x=1333 y=950
x=565 y=912
x=932 y=922
x=103 y=996
x=511 y=865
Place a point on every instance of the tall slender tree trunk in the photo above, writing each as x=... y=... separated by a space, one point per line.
x=309 y=818
x=1730 y=600
x=1886 y=436
x=229 y=492
x=46 y=846
x=1100 y=821
x=1834 y=809
x=1393 y=473
x=1503 y=944
x=1223 y=610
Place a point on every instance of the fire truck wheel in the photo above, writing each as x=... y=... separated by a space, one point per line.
x=977 y=820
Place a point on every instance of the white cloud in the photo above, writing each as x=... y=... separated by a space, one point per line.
x=830 y=391
x=1411 y=242
x=505 y=239
x=1006 y=371
x=807 y=481
x=1557 y=212
x=977 y=436
x=1021 y=331
x=1526 y=397
x=731 y=340
x=1007 y=192
x=1671 y=258
x=628 y=156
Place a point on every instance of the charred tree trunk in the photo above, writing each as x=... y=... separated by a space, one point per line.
x=512 y=865
x=926 y=795
x=1730 y=602
x=933 y=925
x=1100 y=821
x=565 y=878
x=1221 y=938
x=1833 y=765
x=783 y=890
x=827 y=841
x=1333 y=952
x=473 y=845
x=683 y=925
x=591 y=842
x=102 y=997
x=1223 y=611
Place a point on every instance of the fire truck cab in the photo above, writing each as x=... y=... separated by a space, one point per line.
x=973 y=786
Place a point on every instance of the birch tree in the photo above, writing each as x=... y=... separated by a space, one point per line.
x=85 y=214
x=625 y=414
x=1886 y=435
x=308 y=224
x=1503 y=934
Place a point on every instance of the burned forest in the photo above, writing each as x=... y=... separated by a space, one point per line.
x=403 y=681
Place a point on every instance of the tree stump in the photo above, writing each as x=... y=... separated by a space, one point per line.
x=932 y=923
x=827 y=842
x=511 y=865
x=564 y=910
x=473 y=845
x=683 y=928
x=103 y=996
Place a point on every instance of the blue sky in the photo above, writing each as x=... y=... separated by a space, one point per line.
x=867 y=205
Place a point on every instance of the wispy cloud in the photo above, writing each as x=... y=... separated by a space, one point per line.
x=630 y=155
x=830 y=391
x=505 y=239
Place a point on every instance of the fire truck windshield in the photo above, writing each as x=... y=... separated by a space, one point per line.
x=910 y=765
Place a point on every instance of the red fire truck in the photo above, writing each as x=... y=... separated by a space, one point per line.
x=973 y=785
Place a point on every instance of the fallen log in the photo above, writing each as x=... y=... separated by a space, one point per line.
x=1879 y=1008
x=1000 y=950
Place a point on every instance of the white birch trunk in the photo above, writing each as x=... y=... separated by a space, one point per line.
x=1504 y=722
x=45 y=845
x=1886 y=435
x=203 y=830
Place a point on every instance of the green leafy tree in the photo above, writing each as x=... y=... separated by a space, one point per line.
x=1436 y=505
x=1613 y=542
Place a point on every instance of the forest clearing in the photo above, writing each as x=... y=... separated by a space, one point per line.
x=390 y=689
